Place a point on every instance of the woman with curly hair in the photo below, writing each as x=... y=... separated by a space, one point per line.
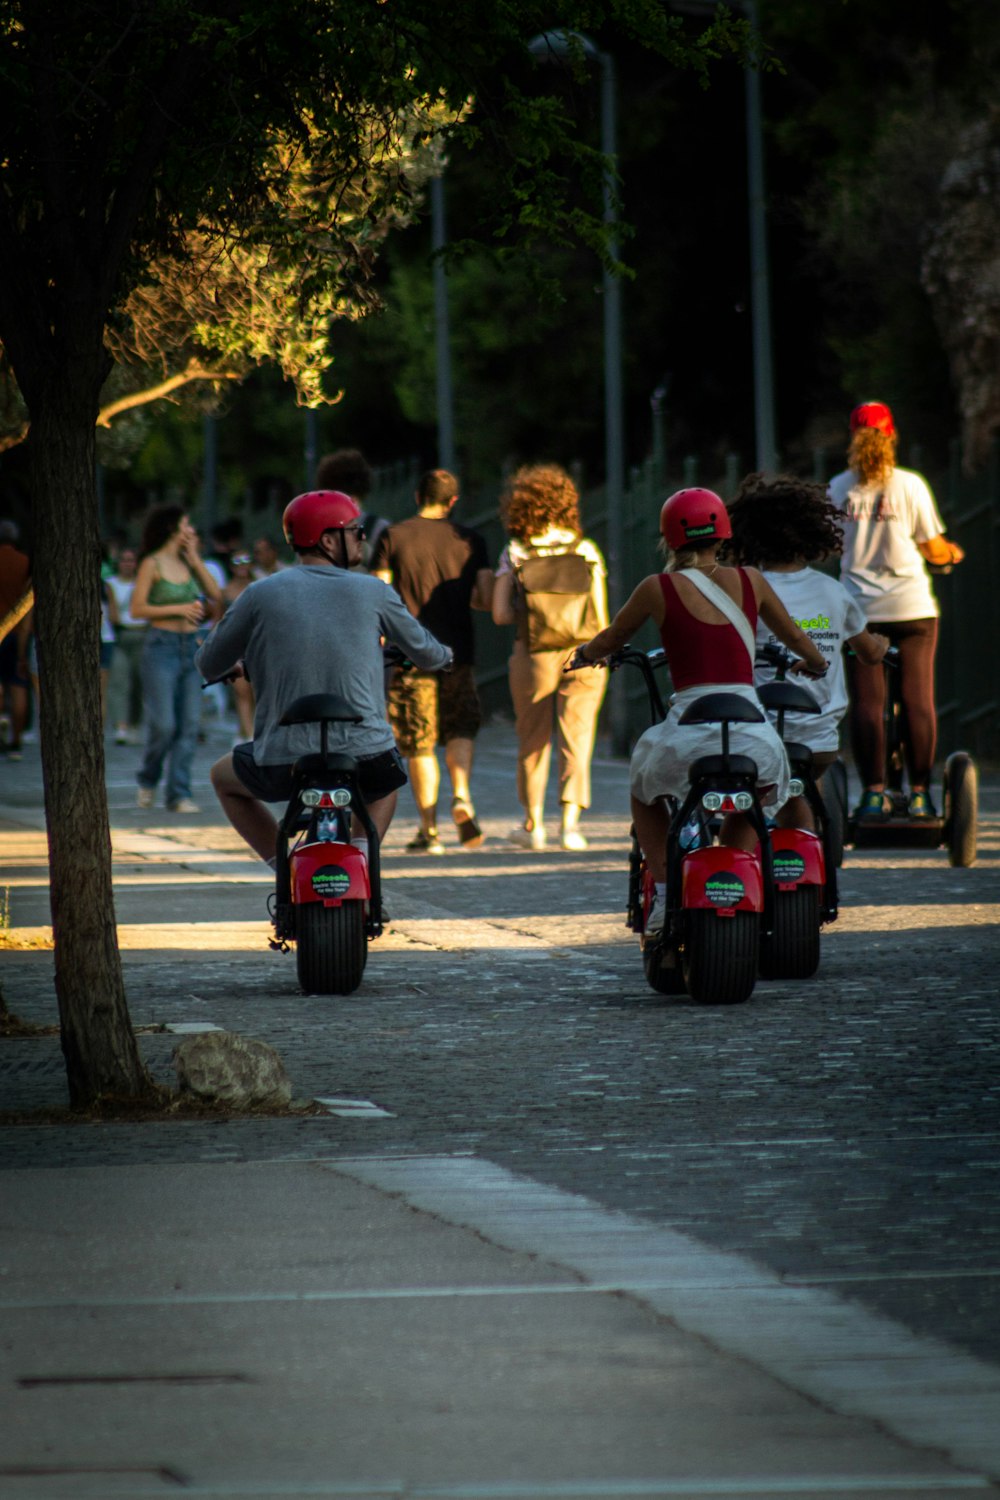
x=541 y=511
x=782 y=526
x=891 y=529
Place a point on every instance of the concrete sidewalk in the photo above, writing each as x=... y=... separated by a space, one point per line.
x=362 y=1324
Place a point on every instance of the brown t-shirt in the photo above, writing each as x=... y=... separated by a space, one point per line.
x=434 y=565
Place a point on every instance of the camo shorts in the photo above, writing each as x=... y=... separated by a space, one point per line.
x=427 y=709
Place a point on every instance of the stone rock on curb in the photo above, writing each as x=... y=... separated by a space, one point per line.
x=226 y=1068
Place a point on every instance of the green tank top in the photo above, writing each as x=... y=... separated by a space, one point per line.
x=162 y=591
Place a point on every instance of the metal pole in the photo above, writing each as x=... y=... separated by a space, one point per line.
x=614 y=421
x=310 y=451
x=442 y=341
x=210 y=451
x=760 y=292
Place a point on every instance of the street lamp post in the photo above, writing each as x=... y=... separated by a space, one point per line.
x=760 y=290
x=442 y=339
x=556 y=46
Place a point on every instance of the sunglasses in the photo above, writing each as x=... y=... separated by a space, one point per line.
x=359 y=531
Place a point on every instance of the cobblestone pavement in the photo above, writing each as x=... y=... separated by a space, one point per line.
x=843 y=1131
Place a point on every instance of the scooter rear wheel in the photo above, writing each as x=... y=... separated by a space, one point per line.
x=721 y=956
x=792 y=949
x=834 y=793
x=330 y=947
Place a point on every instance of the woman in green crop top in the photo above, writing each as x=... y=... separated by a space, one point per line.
x=177 y=594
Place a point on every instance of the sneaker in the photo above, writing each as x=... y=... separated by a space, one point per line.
x=145 y=796
x=463 y=815
x=183 y=805
x=874 y=807
x=527 y=838
x=572 y=838
x=14 y=752
x=121 y=736
x=652 y=932
x=425 y=842
x=921 y=806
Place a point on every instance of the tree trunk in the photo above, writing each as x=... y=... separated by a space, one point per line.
x=98 y=1042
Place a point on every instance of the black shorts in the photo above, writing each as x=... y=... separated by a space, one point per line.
x=378 y=775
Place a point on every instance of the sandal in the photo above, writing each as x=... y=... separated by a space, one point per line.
x=470 y=835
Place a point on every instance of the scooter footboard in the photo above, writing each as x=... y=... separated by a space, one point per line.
x=722 y=880
x=797 y=858
x=328 y=872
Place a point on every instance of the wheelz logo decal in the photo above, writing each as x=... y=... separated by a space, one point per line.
x=788 y=866
x=330 y=881
x=724 y=889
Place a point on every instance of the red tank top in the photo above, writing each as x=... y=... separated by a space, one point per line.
x=701 y=653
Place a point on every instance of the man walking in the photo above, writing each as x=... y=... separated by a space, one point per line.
x=442 y=571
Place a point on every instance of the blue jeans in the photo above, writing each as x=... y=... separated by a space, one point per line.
x=171 y=696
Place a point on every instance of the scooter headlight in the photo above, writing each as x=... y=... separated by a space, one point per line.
x=341 y=797
x=796 y=787
x=311 y=797
x=711 y=801
x=743 y=802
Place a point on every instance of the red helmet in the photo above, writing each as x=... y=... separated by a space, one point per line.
x=873 y=414
x=308 y=516
x=691 y=517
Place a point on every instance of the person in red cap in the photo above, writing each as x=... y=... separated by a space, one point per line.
x=891 y=530
x=707 y=616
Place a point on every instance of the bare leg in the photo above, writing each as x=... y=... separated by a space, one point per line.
x=458 y=759
x=737 y=832
x=253 y=820
x=651 y=824
x=796 y=813
x=425 y=779
x=381 y=814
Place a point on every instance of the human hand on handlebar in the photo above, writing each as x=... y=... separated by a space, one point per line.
x=578 y=660
x=803 y=669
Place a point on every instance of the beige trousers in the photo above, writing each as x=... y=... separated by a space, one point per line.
x=545 y=697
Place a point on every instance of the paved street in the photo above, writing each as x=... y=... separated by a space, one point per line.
x=834 y=1140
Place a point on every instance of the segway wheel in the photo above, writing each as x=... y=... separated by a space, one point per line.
x=330 y=948
x=834 y=795
x=665 y=979
x=721 y=956
x=961 y=808
x=792 y=949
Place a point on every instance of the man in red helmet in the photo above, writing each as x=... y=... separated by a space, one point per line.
x=316 y=628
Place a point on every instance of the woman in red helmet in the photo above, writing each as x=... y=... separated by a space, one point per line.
x=891 y=528
x=706 y=615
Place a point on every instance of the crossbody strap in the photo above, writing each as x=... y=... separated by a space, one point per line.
x=718 y=596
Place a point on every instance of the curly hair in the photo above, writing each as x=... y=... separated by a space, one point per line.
x=160 y=526
x=872 y=454
x=781 y=520
x=538 y=497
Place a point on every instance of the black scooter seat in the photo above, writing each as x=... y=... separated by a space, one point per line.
x=312 y=765
x=791 y=696
x=715 y=766
x=719 y=708
x=314 y=708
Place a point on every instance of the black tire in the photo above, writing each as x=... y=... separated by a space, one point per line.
x=961 y=808
x=792 y=950
x=721 y=956
x=330 y=947
x=664 y=979
x=834 y=793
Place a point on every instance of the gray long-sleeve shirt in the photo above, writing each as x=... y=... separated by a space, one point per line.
x=316 y=629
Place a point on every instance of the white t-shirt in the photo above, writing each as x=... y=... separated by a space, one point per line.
x=828 y=614
x=881 y=564
x=122 y=589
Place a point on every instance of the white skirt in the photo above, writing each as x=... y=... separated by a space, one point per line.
x=663 y=755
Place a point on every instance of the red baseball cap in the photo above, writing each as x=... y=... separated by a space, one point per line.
x=873 y=414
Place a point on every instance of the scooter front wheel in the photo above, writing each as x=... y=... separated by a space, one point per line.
x=720 y=956
x=330 y=947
